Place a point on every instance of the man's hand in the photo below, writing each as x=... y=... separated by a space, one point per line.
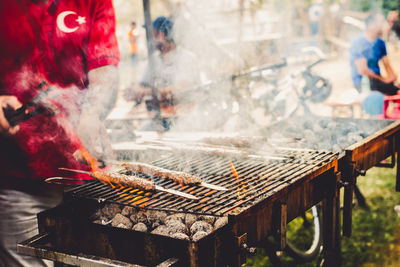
x=390 y=79
x=8 y=101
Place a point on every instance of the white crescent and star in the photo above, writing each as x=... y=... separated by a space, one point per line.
x=61 y=21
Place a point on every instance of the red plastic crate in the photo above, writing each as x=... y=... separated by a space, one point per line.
x=391 y=107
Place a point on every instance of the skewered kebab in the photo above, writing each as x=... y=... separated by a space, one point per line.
x=176 y=176
x=131 y=181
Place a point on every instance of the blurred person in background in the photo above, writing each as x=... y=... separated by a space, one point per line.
x=174 y=69
x=366 y=52
x=133 y=47
x=393 y=28
x=70 y=44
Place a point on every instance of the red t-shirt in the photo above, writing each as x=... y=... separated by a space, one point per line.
x=59 y=42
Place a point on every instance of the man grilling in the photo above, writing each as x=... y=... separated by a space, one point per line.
x=365 y=54
x=70 y=44
x=173 y=72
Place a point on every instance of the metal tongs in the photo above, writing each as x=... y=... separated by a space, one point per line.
x=36 y=106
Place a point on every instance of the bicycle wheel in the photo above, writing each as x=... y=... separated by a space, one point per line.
x=304 y=242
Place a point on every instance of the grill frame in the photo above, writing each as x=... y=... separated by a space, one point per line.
x=70 y=227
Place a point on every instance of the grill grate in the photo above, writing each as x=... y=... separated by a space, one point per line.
x=258 y=178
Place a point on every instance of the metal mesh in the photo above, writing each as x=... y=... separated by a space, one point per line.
x=259 y=177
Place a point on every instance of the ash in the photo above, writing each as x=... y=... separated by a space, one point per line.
x=176 y=225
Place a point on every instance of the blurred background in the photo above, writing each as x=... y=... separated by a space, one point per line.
x=230 y=37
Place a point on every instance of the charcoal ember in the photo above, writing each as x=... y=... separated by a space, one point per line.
x=176 y=217
x=128 y=211
x=200 y=226
x=207 y=218
x=121 y=225
x=354 y=138
x=175 y=226
x=336 y=148
x=317 y=128
x=220 y=222
x=139 y=217
x=324 y=123
x=155 y=225
x=199 y=235
x=332 y=125
x=121 y=219
x=155 y=217
x=309 y=135
x=190 y=219
x=140 y=227
x=161 y=230
x=97 y=215
x=308 y=124
x=110 y=210
x=181 y=236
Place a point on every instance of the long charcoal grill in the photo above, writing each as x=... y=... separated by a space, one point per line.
x=270 y=192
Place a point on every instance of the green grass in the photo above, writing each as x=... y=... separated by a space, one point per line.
x=376 y=231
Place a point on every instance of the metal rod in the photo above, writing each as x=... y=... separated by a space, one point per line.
x=150 y=51
x=157 y=187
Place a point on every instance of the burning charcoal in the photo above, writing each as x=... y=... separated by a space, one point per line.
x=161 y=230
x=97 y=215
x=336 y=148
x=309 y=134
x=190 y=219
x=139 y=217
x=316 y=128
x=141 y=227
x=175 y=226
x=220 y=222
x=199 y=235
x=110 y=210
x=155 y=225
x=180 y=236
x=200 y=226
x=119 y=218
x=207 y=218
x=128 y=211
x=308 y=124
x=332 y=125
x=155 y=217
x=121 y=225
x=177 y=217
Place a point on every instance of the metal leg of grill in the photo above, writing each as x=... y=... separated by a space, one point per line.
x=397 y=147
x=349 y=183
x=331 y=230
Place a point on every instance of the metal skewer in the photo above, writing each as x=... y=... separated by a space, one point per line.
x=58 y=180
x=214 y=187
x=157 y=187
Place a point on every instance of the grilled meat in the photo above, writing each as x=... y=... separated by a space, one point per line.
x=176 y=176
x=125 y=180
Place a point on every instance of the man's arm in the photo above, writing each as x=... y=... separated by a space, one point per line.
x=99 y=100
x=389 y=69
x=102 y=92
x=362 y=68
